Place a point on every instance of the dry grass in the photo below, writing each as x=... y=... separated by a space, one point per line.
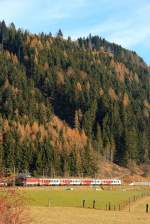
x=90 y=216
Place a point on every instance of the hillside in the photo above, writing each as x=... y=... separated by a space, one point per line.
x=65 y=106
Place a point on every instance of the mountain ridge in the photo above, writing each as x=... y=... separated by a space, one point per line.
x=98 y=89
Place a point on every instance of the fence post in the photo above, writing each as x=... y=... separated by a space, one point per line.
x=109 y=207
x=83 y=203
x=146 y=208
x=129 y=204
x=94 y=203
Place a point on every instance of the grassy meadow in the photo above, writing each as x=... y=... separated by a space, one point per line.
x=62 y=197
x=65 y=206
x=60 y=205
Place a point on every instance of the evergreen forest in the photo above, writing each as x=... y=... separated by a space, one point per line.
x=66 y=105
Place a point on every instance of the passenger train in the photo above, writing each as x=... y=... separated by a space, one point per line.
x=33 y=181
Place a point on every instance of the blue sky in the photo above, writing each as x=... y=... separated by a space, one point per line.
x=123 y=22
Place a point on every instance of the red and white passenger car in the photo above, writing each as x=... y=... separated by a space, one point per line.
x=34 y=181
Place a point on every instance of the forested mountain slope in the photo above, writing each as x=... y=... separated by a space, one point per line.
x=65 y=105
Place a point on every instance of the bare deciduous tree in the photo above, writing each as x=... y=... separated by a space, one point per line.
x=12 y=207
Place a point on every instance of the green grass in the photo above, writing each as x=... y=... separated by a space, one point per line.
x=61 y=197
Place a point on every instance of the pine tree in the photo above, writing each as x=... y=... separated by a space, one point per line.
x=112 y=149
x=131 y=144
x=60 y=34
x=99 y=140
x=9 y=151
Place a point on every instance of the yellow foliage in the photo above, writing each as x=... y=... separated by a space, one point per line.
x=146 y=113
x=33 y=137
x=83 y=75
x=65 y=137
x=78 y=87
x=5 y=125
x=46 y=66
x=60 y=77
x=62 y=136
x=6 y=84
x=136 y=78
x=88 y=86
x=146 y=104
x=112 y=94
x=14 y=58
x=131 y=76
x=43 y=132
x=28 y=130
x=40 y=45
x=28 y=39
x=21 y=131
x=65 y=54
x=47 y=44
x=34 y=42
x=70 y=72
x=14 y=124
x=57 y=123
x=36 y=59
x=35 y=127
x=7 y=53
x=15 y=91
x=125 y=100
x=121 y=70
x=101 y=92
